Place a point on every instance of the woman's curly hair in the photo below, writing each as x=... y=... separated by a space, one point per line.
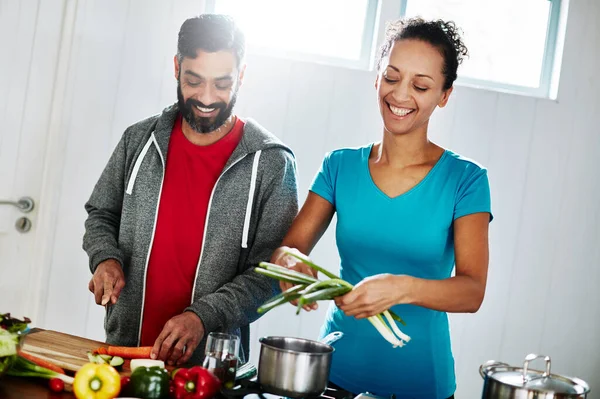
x=444 y=35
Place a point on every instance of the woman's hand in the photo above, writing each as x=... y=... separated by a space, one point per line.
x=375 y=294
x=306 y=230
x=282 y=259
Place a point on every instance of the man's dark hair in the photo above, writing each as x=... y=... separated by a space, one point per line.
x=211 y=33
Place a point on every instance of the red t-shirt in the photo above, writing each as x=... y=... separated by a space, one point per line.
x=191 y=173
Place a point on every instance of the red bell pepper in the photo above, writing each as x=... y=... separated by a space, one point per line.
x=194 y=383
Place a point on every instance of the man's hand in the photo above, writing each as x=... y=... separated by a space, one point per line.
x=107 y=282
x=179 y=338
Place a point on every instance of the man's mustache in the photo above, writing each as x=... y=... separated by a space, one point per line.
x=191 y=103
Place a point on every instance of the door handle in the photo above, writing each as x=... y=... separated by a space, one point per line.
x=25 y=204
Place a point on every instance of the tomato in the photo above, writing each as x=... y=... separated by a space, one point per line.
x=56 y=385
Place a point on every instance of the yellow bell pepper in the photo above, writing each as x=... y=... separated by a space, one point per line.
x=97 y=381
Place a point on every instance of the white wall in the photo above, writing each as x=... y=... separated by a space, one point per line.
x=541 y=156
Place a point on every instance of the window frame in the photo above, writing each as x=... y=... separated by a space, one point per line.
x=545 y=84
x=379 y=13
x=367 y=49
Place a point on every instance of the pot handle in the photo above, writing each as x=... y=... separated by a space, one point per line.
x=530 y=358
x=488 y=366
x=331 y=338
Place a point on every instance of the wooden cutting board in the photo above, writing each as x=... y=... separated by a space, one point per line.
x=64 y=350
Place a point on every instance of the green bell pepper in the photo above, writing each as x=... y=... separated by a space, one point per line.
x=149 y=383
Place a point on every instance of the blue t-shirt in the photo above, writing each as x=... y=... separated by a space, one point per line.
x=410 y=234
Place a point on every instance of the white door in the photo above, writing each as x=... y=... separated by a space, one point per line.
x=73 y=75
x=30 y=37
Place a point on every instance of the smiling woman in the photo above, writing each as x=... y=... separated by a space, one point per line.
x=408 y=213
x=411 y=83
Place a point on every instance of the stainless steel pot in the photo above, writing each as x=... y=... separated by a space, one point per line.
x=502 y=381
x=295 y=367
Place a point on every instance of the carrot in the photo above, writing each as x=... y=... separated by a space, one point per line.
x=127 y=352
x=102 y=351
x=42 y=362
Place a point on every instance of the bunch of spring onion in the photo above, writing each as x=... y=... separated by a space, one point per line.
x=308 y=290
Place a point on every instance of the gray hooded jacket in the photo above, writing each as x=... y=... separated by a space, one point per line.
x=251 y=208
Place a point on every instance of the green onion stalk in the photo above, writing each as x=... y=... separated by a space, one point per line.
x=307 y=290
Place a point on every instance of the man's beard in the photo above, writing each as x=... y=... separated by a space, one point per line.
x=203 y=124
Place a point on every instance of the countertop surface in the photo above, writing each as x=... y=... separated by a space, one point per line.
x=64 y=350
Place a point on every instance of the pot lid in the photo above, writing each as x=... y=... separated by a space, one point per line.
x=534 y=380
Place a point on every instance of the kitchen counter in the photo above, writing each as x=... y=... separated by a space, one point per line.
x=70 y=353
x=64 y=350
x=28 y=388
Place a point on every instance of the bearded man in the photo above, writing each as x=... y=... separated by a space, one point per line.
x=189 y=203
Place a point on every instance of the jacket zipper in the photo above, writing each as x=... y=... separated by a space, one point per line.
x=206 y=224
x=153 y=138
x=251 y=193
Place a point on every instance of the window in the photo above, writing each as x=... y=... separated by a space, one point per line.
x=338 y=32
x=514 y=45
x=511 y=42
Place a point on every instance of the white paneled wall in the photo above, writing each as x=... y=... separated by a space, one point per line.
x=542 y=157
